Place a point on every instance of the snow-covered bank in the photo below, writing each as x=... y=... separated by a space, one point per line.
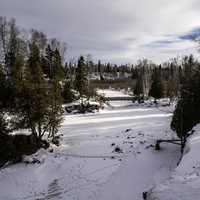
x=184 y=183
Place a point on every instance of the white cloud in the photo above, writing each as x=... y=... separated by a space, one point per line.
x=118 y=30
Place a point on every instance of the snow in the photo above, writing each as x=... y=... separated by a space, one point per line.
x=184 y=182
x=112 y=93
x=86 y=167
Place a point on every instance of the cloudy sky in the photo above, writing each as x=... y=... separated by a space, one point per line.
x=119 y=31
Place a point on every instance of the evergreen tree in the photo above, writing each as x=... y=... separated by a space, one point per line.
x=58 y=71
x=67 y=92
x=12 y=49
x=31 y=101
x=55 y=110
x=139 y=87
x=55 y=95
x=48 y=62
x=81 y=79
x=138 y=90
x=6 y=92
x=32 y=106
x=157 y=90
x=171 y=90
x=4 y=102
x=40 y=39
x=99 y=67
x=187 y=112
x=173 y=80
x=4 y=130
x=10 y=70
x=52 y=63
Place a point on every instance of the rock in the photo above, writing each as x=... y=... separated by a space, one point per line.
x=36 y=161
x=56 y=141
x=127 y=130
x=82 y=108
x=32 y=161
x=50 y=150
x=149 y=146
x=118 y=150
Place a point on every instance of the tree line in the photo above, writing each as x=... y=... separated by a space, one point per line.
x=35 y=81
x=33 y=85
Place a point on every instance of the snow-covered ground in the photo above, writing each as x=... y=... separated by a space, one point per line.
x=86 y=167
x=112 y=93
x=184 y=182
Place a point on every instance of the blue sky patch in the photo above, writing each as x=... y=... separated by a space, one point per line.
x=191 y=35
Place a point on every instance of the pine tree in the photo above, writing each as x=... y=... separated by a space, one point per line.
x=171 y=90
x=31 y=101
x=10 y=70
x=138 y=90
x=47 y=62
x=4 y=130
x=4 y=102
x=81 y=79
x=55 y=110
x=187 y=112
x=99 y=70
x=58 y=70
x=139 y=87
x=12 y=49
x=173 y=80
x=6 y=91
x=157 y=90
x=52 y=63
x=40 y=39
x=55 y=100
x=67 y=93
x=32 y=105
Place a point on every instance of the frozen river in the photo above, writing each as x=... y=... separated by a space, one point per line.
x=86 y=165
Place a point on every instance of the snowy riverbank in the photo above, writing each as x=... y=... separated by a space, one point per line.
x=184 y=183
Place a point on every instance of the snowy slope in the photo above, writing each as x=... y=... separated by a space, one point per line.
x=184 y=183
x=86 y=167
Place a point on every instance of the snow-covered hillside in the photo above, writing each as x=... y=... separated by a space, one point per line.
x=103 y=156
x=184 y=183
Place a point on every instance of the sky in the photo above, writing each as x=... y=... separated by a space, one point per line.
x=118 y=31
